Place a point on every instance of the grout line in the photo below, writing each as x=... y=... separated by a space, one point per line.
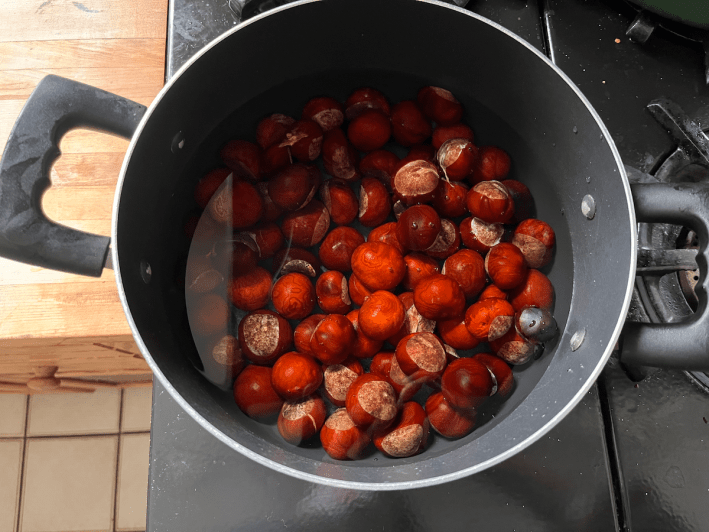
x=118 y=462
x=79 y=435
x=22 y=466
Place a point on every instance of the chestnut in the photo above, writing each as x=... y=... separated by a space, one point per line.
x=386 y=233
x=209 y=184
x=421 y=356
x=418 y=267
x=449 y=201
x=255 y=395
x=338 y=247
x=500 y=370
x=307 y=226
x=264 y=336
x=468 y=269
x=332 y=293
x=444 y=133
x=522 y=198
x=466 y=383
x=272 y=129
x=341 y=438
x=250 y=290
x=489 y=319
x=447 y=242
x=371 y=402
x=415 y=181
x=535 y=290
x=379 y=266
x=381 y=315
x=339 y=156
x=447 y=421
x=506 y=266
x=358 y=292
x=237 y=203
x=457 y=157
x=413 y=321
x=480 y=236
x=455 y=334
x=513 y=348
x=408 y=434
x=243 y=157
x=379 y=164
x=296 y=375
x=440 y=105
x=327 y=112
x=268 y=238
x=201 y=276
x=297 y=260
x=294 y=187
x=439 y=297
x=304 y=332
x=209 y=315
x=364 y=99
x=369 y=130
x=226 y=353
x=340 y=201
x=333 y=339
x=293 y=296
x=408 y=124
x=365 y=347
x=535 y=239
x=418 y=227
x=491 y=202
x=493 y=164
x=337 y=379
x=302 y=419
x=374 y=202
x=385 y=365
x=305 y=139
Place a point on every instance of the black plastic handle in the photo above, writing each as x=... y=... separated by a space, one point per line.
x=54 y=107
x=682 y=345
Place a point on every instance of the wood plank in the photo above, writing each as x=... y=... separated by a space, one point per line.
x=94 y=53
x=135 y=82
x=91 y=356
x=62 y=310
x=89 y=141
x=79 y=203
x=39 y=20
x=86 y=169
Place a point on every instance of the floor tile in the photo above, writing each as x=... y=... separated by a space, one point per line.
x=12 y=415
x=132 y=496
x=74 y=413
x=69 y=484
x=10 y=467
x=137 y=407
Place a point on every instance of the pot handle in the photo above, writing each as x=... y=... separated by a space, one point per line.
x=682 y=345
x=54 y=107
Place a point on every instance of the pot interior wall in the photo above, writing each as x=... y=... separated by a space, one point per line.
x=512 y=99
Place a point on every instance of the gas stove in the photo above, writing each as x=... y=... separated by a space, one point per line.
x=633 y=454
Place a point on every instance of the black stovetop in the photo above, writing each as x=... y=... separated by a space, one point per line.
x=630 y=456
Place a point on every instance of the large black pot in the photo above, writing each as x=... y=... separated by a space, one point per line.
x=513 y=97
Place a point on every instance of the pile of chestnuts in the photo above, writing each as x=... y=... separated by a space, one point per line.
x=380 y=274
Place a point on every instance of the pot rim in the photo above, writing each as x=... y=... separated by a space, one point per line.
x=395 y=485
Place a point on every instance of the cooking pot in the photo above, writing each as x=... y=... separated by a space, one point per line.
x=513 y=96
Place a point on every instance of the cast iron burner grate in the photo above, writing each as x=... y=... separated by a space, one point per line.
x=667 y=271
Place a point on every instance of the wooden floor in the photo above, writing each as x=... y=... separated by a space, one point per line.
x=116 y=45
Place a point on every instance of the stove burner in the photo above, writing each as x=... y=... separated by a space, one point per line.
x=667 y=271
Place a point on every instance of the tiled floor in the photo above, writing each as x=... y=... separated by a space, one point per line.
x=74 y=462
